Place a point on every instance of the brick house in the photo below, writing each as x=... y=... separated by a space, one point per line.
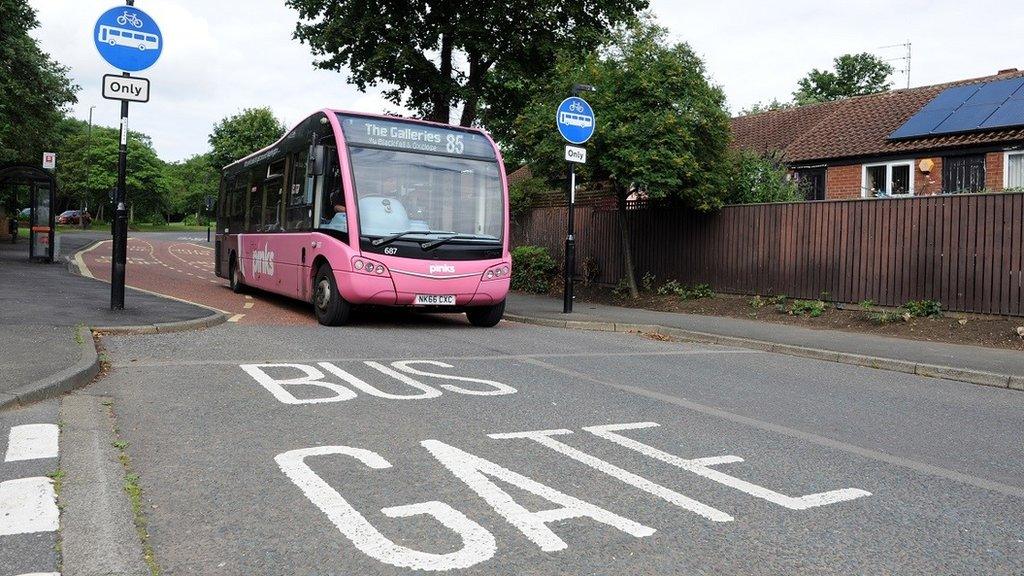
x=965 y=136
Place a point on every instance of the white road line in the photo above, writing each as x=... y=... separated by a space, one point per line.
x=80 y=262
x=32 y=442
x=42 y=574
x=28 y=505
x=248 y=305
x=236 y=318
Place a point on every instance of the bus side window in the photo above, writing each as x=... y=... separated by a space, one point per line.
x=298 y=211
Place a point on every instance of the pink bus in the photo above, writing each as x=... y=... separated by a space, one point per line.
x=351 y=209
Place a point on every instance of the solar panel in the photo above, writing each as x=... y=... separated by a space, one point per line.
x=922 y=123
x=1009 y=114
x=995 y=92
x=966 y=118
x=951 y=98
x=966 y=108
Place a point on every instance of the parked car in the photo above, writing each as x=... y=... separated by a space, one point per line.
x=24 y=213
x=74 y=217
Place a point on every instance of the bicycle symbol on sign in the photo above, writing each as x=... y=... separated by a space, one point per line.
x=575 y=107
x=127 y=17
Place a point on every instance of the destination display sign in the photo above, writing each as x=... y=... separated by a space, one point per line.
x=414 y=137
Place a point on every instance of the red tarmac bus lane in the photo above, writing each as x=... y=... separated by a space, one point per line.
x=184 y=270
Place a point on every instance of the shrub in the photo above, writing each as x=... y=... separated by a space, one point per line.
x=923 y=308
x=757 y=302
x=812 y=308
x=776 y=300
x=524 y=193
x=866 y=305
x=591 y=270
x=622 y=288
x=532 y=269
x=699 y=291
x=192 y=220
x=647 y=282
x=671 y=287
x=886 y=317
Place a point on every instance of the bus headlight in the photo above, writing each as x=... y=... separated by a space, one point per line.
x=367 y=266
x=498 y=272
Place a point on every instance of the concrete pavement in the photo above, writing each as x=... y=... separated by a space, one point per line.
x=1002 y=368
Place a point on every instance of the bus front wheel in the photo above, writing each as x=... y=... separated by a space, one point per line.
x=330 y=308
x=486 y=316
x=235 y=277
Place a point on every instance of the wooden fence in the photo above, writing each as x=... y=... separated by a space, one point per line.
x=966 y=251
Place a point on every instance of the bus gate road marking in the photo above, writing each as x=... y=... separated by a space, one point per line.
x=32 y=442
x=28 y=505
x=480 y=475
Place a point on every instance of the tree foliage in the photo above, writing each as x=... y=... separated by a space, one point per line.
x=662 y=128
x=189 y=182
x=87 y=170
x=853 y=75
x=437 y=54
x=760 y=178
x=242 y=134
x=760 y=107
x=34 y=90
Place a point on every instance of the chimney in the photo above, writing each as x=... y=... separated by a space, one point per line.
x=1007 y=71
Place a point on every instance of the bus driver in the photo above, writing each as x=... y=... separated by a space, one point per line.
x=339 y=217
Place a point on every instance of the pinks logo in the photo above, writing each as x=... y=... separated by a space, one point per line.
x=442 y=268
x=263 y=261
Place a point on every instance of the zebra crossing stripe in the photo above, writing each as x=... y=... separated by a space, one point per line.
x=32 y=442
x=28 y=505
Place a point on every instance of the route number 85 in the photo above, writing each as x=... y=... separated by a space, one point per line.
x=455 y=144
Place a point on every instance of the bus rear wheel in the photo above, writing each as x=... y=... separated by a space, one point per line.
x=486 y=316
x=328 y=305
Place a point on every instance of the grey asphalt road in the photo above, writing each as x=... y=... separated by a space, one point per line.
x=660 y=458
x=24 y=550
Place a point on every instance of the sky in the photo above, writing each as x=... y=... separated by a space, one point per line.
x=221 y=57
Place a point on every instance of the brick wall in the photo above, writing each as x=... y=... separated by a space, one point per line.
x=994 y=171
x=842 y=182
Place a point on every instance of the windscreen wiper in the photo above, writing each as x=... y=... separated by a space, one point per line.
x=385 y=240
x=435 y=243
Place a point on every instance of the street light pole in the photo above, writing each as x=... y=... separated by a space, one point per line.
x=88 y=161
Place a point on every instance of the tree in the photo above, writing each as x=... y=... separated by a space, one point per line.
x=238 y=136
x=436 y=54
x=760 y=178
x=144 y=180
x=662 y=128
x=854 y=75
x=759 y=107
x=34 y=90
x=189 y=182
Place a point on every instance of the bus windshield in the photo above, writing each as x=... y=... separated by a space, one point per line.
x=426 y=194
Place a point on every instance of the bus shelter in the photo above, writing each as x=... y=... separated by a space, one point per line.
x=23 y=186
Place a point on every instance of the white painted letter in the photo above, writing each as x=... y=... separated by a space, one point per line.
x=478 y=544
x=360 y=384
x=313 y=377
x=544 y=438
x=474 y=471
x=499 y=388
x=701 y=467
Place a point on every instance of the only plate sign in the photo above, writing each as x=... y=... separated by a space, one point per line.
x=125 y=88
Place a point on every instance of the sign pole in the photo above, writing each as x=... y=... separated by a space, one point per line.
x=120 y=227
x=575 y=121
x=570 y=244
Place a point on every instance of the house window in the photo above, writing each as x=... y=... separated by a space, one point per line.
x=963 y=174
x=888 y=179
x=1014 y=171
x=811 y=183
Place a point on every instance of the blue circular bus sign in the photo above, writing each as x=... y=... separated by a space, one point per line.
x=128 y=38
x=575 y=120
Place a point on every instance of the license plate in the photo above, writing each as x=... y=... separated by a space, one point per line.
x=435 y=300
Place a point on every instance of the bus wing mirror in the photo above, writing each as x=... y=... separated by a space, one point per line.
x=317 y=159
